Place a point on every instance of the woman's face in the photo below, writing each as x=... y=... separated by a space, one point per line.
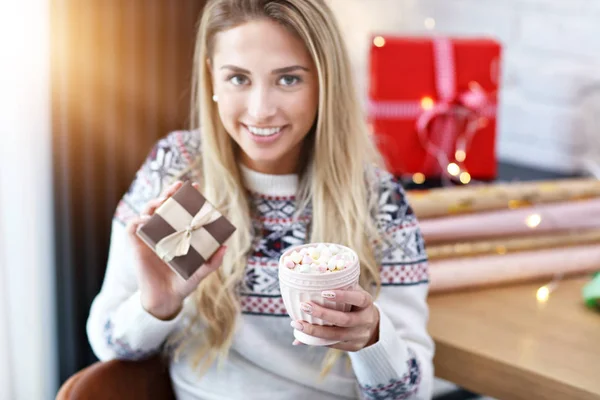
x=268 y=92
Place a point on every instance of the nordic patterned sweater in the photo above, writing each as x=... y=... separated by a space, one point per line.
x=263 y=363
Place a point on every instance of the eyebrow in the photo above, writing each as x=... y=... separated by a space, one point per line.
x=275 y=71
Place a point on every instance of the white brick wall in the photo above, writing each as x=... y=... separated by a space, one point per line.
x=550 y=101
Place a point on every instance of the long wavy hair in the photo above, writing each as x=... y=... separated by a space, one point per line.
x=337 y=178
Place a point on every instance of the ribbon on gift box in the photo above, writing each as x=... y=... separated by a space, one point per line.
x=186 y=230
x=439 y=121
x=178 y=243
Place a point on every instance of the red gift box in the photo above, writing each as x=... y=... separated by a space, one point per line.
x=432 y=102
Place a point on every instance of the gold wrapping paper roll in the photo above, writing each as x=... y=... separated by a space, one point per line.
x=513 y=245
x=469 y=199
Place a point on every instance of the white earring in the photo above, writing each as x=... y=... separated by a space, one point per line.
x=215 y=98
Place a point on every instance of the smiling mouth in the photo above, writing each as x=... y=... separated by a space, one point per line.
x=264 y=132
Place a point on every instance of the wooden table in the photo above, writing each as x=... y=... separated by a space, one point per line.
x=502 y=343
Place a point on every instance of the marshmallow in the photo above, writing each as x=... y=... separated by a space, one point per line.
x=315 y=254
x=289 y=263
x=319 y=259
x=296 y=257
x=304 y=268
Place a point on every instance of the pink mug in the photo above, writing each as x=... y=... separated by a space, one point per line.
x=297 y=287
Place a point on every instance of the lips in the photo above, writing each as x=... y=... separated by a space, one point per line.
x=266 y=131
x=264 y=134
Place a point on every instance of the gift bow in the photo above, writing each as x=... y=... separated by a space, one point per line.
x=447 y=115
x=473 y=104
x=178 y=243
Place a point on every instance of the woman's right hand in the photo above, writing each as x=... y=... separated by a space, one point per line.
x=162 y=290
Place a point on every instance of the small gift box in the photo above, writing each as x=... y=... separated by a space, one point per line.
x=186 y=230
x=432 y=105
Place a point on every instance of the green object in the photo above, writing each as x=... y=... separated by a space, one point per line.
x=591 y=291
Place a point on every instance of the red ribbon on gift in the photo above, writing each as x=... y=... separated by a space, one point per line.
x=438 y=122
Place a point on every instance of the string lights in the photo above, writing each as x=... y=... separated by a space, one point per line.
x=427 y=103
x=429 y=23
x=379 y=41
x=542 y=295
x=533 y=220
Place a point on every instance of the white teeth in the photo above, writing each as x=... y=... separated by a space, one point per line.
x=263 y=131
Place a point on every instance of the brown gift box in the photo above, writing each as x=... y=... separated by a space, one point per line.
x=186 y=216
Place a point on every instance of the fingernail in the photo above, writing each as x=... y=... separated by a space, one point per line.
x=297 y=325
x=307 y=308
x=328 y=295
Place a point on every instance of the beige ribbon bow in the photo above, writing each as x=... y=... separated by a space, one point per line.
x=178 y=243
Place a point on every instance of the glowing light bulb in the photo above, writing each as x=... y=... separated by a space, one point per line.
x=533 y=220
x=453 y=169
x=465 y=177
x=427 y=103
x=460 y=155
x=418 y=178
x=429 y=23
x=542 y=294
x=379 y=41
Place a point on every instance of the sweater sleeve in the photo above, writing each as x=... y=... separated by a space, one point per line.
x=400 y=364
x=118 y=326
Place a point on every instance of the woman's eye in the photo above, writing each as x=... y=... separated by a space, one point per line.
x=238 y=80
x=289 y=80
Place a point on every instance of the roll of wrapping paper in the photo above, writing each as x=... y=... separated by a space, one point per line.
x=513 y=244
x=469 y=199
x=462 y=273
x=570 y=216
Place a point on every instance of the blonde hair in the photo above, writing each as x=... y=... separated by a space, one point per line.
x=337 y=179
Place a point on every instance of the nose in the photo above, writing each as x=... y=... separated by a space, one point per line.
x=261 y=104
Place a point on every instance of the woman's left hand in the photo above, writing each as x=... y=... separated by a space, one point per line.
x=356 y=329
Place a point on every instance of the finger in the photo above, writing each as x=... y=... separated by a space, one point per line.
x=170 y=190
x=358 y=297
x=152 y=205
x=326 y=332
x=335 y=317
x=134 y=224
x=296 y=342
x=200 y=274
x=210 y=266
x=216 y=259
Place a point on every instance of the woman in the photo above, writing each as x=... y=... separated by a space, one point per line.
x=282 y=149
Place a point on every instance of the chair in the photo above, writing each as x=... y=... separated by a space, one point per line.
x=120 y=380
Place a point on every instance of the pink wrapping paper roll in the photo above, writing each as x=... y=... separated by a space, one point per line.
x=472 y=272
x=550 y=218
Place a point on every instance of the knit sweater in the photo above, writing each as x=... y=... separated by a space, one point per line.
x=262 y=362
